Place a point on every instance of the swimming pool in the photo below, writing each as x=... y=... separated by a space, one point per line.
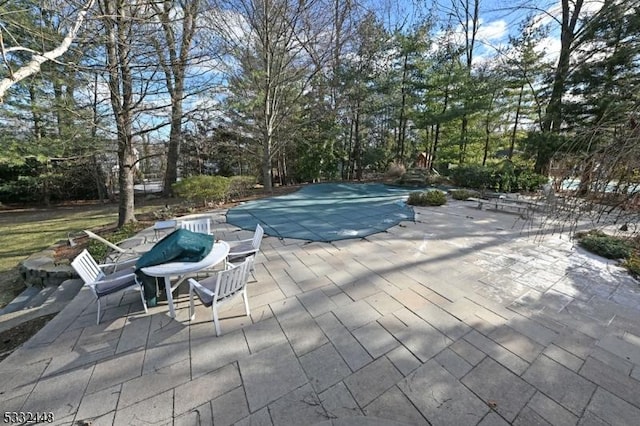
x=327 y=212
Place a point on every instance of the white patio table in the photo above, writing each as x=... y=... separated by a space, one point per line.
x=218 y=253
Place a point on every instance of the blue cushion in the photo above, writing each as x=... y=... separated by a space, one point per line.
x=113 y=285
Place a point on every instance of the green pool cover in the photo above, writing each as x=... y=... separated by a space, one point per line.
x=326 y=212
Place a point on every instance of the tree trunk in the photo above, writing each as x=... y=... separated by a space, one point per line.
x=173 y=150
x=98 y=176
x=552 y=121
x=436 y=137
x=266 y=165
x=515 y=123
x=349 y=168
x=473 y=19
x=357 y=148
x=584 y=188
x=402 y=121
x=126 y=174
x=487 y=137
x=37 y=120
x=463 y=139
x=175 y=76
x=118 y=28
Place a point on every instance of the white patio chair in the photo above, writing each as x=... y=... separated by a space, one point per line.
x=243 y=248
x=219 y=289
x=161 y=227
x=103 y=285
x=202 y=225
x=117 y=252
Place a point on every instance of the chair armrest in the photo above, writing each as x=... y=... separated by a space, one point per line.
x=116 y=266
x=241 y=253
x=238 y=242
x=112 y=285
x=242 y=248
x=196 y=284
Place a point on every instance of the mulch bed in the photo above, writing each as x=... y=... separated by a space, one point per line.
x=11 y=339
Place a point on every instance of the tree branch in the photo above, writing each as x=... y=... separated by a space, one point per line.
x=33 y=66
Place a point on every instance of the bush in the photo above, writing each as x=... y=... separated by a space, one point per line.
x=427 y=198
x=99 y=251
x=530 y=181
x=203 y=189
x=605 y=245
x=462 y=194
x=472 y=176
x=239 y=186
x=438 y=180
x=395 y=170
x=503 y=177
x=632 y=263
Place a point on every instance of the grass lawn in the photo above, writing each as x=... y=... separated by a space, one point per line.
x=28 y=230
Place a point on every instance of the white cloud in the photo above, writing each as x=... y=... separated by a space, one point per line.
x=492 y=31
x=553 y=14
x=550 y=46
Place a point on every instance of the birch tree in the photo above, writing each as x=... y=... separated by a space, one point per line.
x=12 y=75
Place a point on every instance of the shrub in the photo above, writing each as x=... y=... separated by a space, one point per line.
x=239 y=186
x=530 y=181
x=203 y=189
x=632 y=263
x=438 y=180
x=395 y=170
x=472 y=176
x=462 y=194
x=99 y=251
x=427 y=198
x=605 y=245
x=504 y=177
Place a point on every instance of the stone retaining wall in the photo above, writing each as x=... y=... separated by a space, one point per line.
x=40 y=269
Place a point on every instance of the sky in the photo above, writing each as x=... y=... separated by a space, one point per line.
x=498 y=19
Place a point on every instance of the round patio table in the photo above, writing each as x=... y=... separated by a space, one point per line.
x=218 y=253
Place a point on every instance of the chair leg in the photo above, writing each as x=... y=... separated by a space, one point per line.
x=144 y=302
x=216 y=321
x=192 y=310
x=245 y=296
x=98 y=317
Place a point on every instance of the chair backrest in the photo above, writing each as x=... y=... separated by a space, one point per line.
x=86 y=266
x=233 y=280
x=104 y=241
x=202 y=226
x=257 y=237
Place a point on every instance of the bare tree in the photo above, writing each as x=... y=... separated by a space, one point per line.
x=131 y=67
x=269 y=44
x=37 y=58
x=177 y=19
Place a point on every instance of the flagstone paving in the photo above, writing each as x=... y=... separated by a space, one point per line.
x=463 y=317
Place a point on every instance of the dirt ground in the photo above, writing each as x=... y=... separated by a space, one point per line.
x=11 y=283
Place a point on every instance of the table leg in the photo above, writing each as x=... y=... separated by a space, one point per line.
x=167 y=288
